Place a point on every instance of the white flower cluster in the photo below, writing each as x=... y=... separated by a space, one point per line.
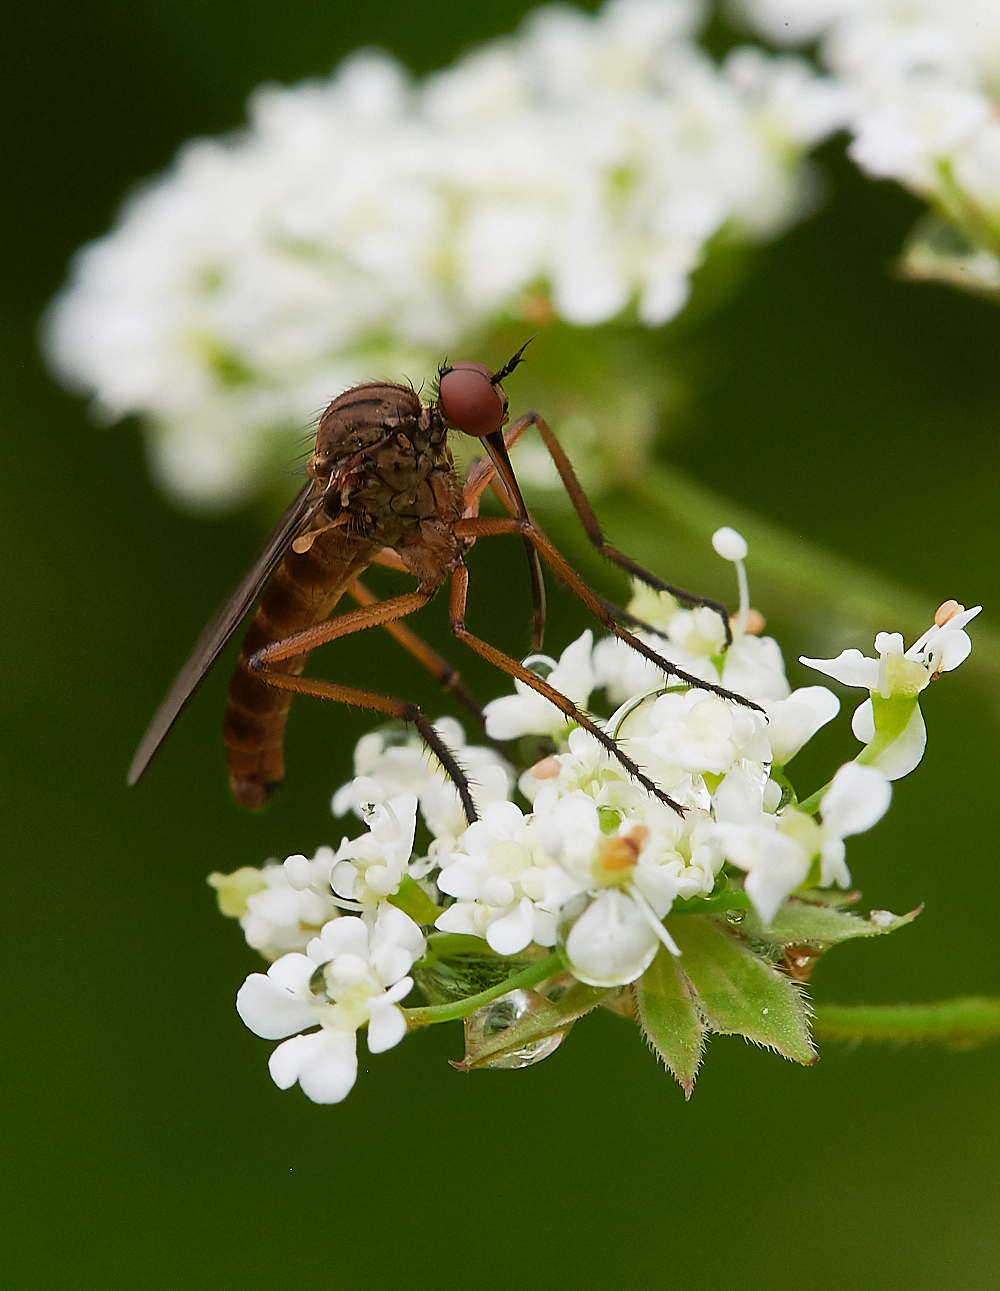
x=587 y=862
x=365 y=225
x=924 y=83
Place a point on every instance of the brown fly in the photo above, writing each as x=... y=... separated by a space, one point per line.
x=383 y=490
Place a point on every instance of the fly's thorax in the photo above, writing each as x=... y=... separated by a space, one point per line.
x=384 y=458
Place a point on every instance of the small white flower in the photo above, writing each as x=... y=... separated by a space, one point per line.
x=778 y=851
x=497 y=871
x=370 y=868
x=354 y=974
x=386 y=764
x=680 y=738
x=528 y=712
x=891 y=723
x=276 y=915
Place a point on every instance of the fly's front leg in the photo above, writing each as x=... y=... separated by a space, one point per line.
x=488 y=526
x=596 y=534
x=459 y=598
x=263 y=667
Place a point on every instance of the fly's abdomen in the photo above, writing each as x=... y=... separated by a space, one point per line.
x=304 y=591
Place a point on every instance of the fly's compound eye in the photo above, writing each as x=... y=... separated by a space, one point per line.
x=471 y=400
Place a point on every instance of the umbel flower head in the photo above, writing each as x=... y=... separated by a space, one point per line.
x=576 y=887
x=365 y=225
x=922 y=86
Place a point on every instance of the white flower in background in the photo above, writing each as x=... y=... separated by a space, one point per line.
x=363 y=226
x=890 y=723
x=353 y=974
x=275 y=915
x=389 y=762
x=528 y=712
x=923 y=78
x=778 y=851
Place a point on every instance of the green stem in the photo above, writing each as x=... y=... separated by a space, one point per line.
x=812 y=804
x=432 y=1013
x=961 y=1023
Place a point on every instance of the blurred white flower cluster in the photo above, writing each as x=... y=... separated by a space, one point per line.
x=924 y=80
x=585 y=862
x=364 y=226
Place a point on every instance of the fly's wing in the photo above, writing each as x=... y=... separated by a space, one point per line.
x=213 y=640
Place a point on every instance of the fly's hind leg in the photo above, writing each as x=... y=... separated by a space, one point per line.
x=436 y=664
x=379 y=614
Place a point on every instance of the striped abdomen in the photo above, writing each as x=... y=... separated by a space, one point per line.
x=304 y=591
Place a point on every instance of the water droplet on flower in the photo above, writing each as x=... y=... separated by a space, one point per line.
x=491 y=1021
x=736 y=916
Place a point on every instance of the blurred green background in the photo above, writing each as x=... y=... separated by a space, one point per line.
x=145 y=1144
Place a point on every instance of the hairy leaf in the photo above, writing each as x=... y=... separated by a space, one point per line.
x=670 y=1019
x=738 y=993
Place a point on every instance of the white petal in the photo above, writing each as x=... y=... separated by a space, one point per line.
x=850 y=667
x=298 y=871
x=512 y=716
x=863 y=722
x=386 y=1027
x=396 y=993
x=391 y=962
x=611 y=943
x=347 y=936
x=292 y=971
x=858 y=797
x=795 y=720
x=512 y=932
x=768 y=885
x=271 y=1011
x=465 y=879
x=954 y=648
x=462 y=917
x=904 y=753
x=329 y=1070
x=738 y=800
x=286 y=1061
x=502 y=818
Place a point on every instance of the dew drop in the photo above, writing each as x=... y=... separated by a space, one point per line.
x=493 y=1019
x=736 y=916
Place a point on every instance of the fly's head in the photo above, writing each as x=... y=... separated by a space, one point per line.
x=471 y=398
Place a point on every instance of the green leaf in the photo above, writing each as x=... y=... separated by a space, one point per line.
x=802 y=923
x=669 y=1018
x=738 y=993
x=414 y=901
x=523 y=1027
